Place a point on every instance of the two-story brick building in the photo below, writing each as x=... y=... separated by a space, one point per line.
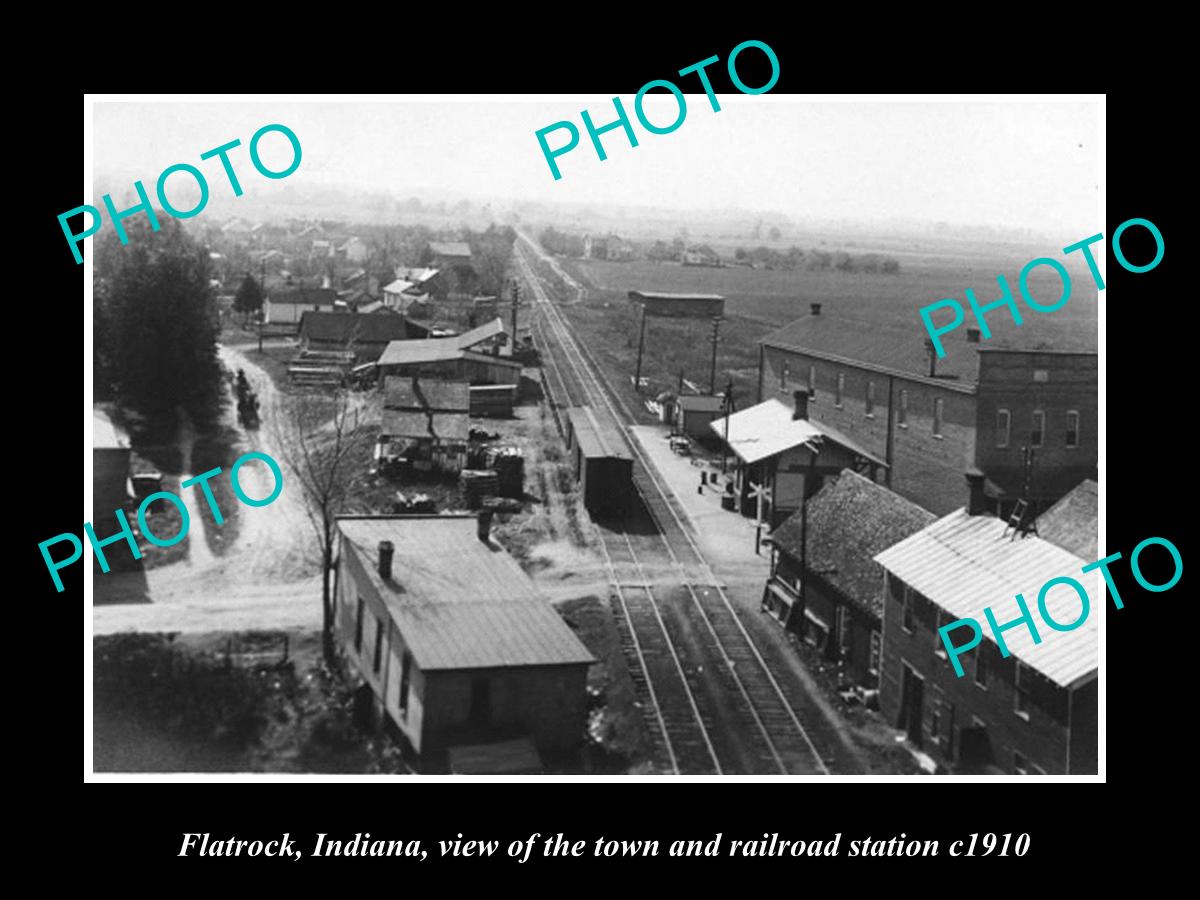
x=1033 y=712
x=931 y=419
x=453 y=640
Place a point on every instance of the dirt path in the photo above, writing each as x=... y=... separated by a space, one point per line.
x=268 y=579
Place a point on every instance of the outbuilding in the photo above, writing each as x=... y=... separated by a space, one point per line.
x=692 y=414
x=452 y=640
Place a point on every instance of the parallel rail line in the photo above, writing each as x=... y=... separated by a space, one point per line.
x=778 y=740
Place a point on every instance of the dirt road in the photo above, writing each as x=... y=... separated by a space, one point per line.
x=268 y=579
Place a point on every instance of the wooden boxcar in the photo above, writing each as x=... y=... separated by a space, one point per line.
x=601 y=461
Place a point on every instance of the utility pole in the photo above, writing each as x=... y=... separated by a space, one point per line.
x=516 y=299
x=637 y=375
x=728 y=412
x=712 y=372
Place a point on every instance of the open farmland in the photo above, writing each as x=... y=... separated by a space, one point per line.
x=760 y=300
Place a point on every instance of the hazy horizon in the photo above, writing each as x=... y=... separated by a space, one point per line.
x=1006 y=165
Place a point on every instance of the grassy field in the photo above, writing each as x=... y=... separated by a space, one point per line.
x=759 y=300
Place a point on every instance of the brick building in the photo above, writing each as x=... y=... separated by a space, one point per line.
x=825 y=584
x=452 y=639
x=932 y=419
x=1034 y=712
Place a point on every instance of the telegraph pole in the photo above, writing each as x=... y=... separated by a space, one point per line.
x=728 y=413
x=637 y=375
x=516 y=299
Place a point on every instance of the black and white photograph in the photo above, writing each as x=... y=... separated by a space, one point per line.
x=569 y=437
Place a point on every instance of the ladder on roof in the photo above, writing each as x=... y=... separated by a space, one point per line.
x=1022 y=508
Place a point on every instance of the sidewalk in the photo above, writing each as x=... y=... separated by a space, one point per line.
x=726 y=538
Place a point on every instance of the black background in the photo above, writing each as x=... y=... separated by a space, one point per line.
x=135 y=830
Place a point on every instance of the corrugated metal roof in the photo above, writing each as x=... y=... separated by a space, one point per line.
x=105 y=434
x=963 y=563
x=1071 y=523
x=767 y=429
x=850 y=520
x=460 y=603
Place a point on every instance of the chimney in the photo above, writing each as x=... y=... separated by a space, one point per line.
x=800 y=410
x=977 y=504
x=386 y=550
x=814 y=308
x=485 y=525
x=972 y=335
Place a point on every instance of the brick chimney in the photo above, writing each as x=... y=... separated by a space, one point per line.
x=814 y=308
x=972 y=335
x=484 y=525
x=977 y=502
x=800 y=409
x=386 y=551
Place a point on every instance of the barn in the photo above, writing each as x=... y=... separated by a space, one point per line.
x=601 y=462
x=453 y=642
x=367 y=336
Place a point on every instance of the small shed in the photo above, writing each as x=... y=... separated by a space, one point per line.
x=425 y=422
x=601 y=461
x=693 y=413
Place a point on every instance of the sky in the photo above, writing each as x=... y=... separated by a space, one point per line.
x=1010 y=164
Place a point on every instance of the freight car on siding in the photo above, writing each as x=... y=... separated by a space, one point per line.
x=601 y=461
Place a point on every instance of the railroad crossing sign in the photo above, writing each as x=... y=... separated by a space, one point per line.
x=761 y=493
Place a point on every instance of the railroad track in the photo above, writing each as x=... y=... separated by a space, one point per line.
x=711 y=700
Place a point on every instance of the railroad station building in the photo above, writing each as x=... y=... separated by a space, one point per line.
x=932 y=419
x=1033 y=712
x=453 y=642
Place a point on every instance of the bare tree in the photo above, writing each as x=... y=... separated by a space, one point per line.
x=322 y=440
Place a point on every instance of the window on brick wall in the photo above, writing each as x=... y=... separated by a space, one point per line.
x=812 y=383
x=908 y=608
x=1072 y=428
x=783 y=376
x=1021 y=685
x=1037 y=430
x=939 y=647
x=982 y=666
x=1003 y=427
x=870 y=405
x=938 y=409
x=841 y=388
x=876 y=653
x=902 y=410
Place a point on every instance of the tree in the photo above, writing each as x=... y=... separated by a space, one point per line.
x=774 y=233
x=322 y=441
x=249 y=298
x=158 y=319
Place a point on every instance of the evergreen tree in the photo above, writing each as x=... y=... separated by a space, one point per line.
x=159 y=320
x=249 y=298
